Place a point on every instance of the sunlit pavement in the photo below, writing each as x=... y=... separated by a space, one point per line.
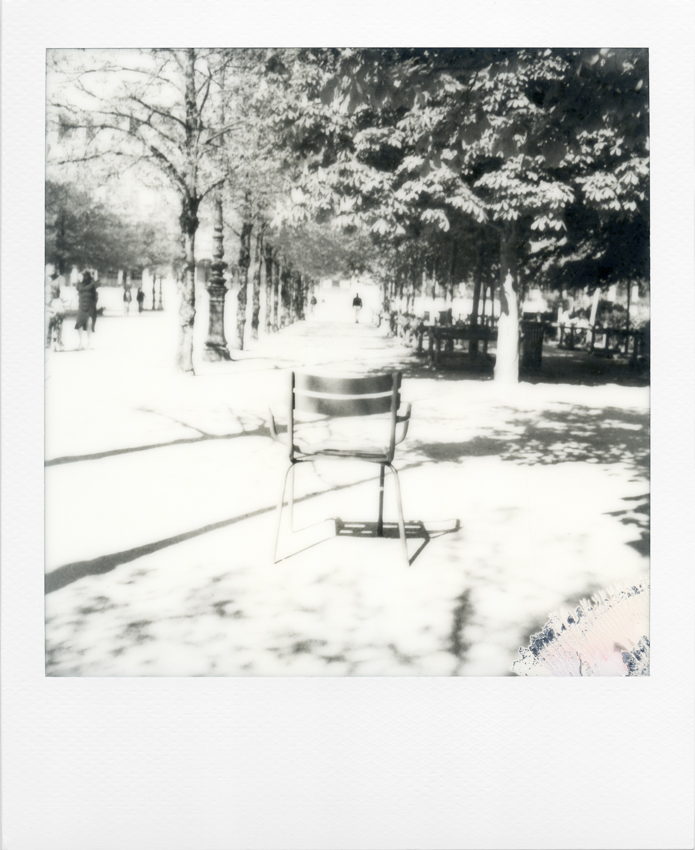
x=161 y=494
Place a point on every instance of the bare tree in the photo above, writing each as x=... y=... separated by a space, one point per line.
x=152 y=113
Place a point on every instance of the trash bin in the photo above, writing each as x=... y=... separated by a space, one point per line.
x=532 y=345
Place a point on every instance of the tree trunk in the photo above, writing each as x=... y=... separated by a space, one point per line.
x=293 y=289
x=286 y=278
x=410 y=290
x=507 y=363
x=276 y=295
x=299 y=297
x=477 y=286
x=477 y=283
x=189 y=218
x=295 y=297
x=268 y=281
x=627 y=311
x=244 y=262
x=256 y=305
x=452 y=271
x=61 y=243
x=189 y=227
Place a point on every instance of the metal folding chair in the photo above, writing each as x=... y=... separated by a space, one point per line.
x=345 y=397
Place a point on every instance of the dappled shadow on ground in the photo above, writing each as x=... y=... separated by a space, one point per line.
x=573 y=433
x=582 y=367
x=637 y=514
x=201 y=609
x=576 y=433
x=557 y=367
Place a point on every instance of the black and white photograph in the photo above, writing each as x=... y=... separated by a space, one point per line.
x=347 y=362
x=343 y=433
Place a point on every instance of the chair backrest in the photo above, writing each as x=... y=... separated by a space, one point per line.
x=346 y=396
x=342 y=397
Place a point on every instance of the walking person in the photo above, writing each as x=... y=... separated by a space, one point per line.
x=140 y=297
x=357 y=306
x=86 y=307
x=127 y=298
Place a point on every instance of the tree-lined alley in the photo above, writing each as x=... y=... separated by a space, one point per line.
x=498 y=169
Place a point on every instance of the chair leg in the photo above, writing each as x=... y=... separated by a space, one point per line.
x=290 y=468
x=380 y=523
x=401 y=521
x=292 y=497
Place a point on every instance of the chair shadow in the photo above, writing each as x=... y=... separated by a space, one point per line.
x=414 y=530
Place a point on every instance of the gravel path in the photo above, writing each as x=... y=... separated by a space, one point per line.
x=160 y=512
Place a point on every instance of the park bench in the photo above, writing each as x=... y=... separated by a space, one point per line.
x=449 y=335
x=609 y=341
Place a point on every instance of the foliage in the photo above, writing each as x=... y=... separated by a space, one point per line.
x=411 y=143
x=320 y=251
x=546 y=148
x=429 y=167
x=83 y=232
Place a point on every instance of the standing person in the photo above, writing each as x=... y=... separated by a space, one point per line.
x=127 y=298
x=48 y=297
x=56 y=314
x=313 y=303
x=86 y=307
x=357 y=306
x=140 y=297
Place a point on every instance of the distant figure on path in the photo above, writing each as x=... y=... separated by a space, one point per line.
x=357 y=306
x=86 y=307
x=313 y=304
x=140 y=297
x=127 y=298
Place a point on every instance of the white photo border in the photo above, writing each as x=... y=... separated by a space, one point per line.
x=197 y=763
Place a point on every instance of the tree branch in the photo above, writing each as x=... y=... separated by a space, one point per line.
x=163 y=113
x=216 y=185
x=169 y=167
x=223 y=131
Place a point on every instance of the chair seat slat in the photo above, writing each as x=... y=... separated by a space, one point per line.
x=359 y=406
x=346 y=396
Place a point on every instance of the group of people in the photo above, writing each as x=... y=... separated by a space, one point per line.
x=56 y=309
x=87 y=298
x=128 y=298
x=356 y=306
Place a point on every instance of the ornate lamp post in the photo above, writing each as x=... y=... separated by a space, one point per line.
x=216 y=343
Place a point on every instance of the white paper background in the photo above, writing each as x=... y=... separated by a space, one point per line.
x=202 y=764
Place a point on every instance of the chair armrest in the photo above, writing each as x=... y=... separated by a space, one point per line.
x=404 y=419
